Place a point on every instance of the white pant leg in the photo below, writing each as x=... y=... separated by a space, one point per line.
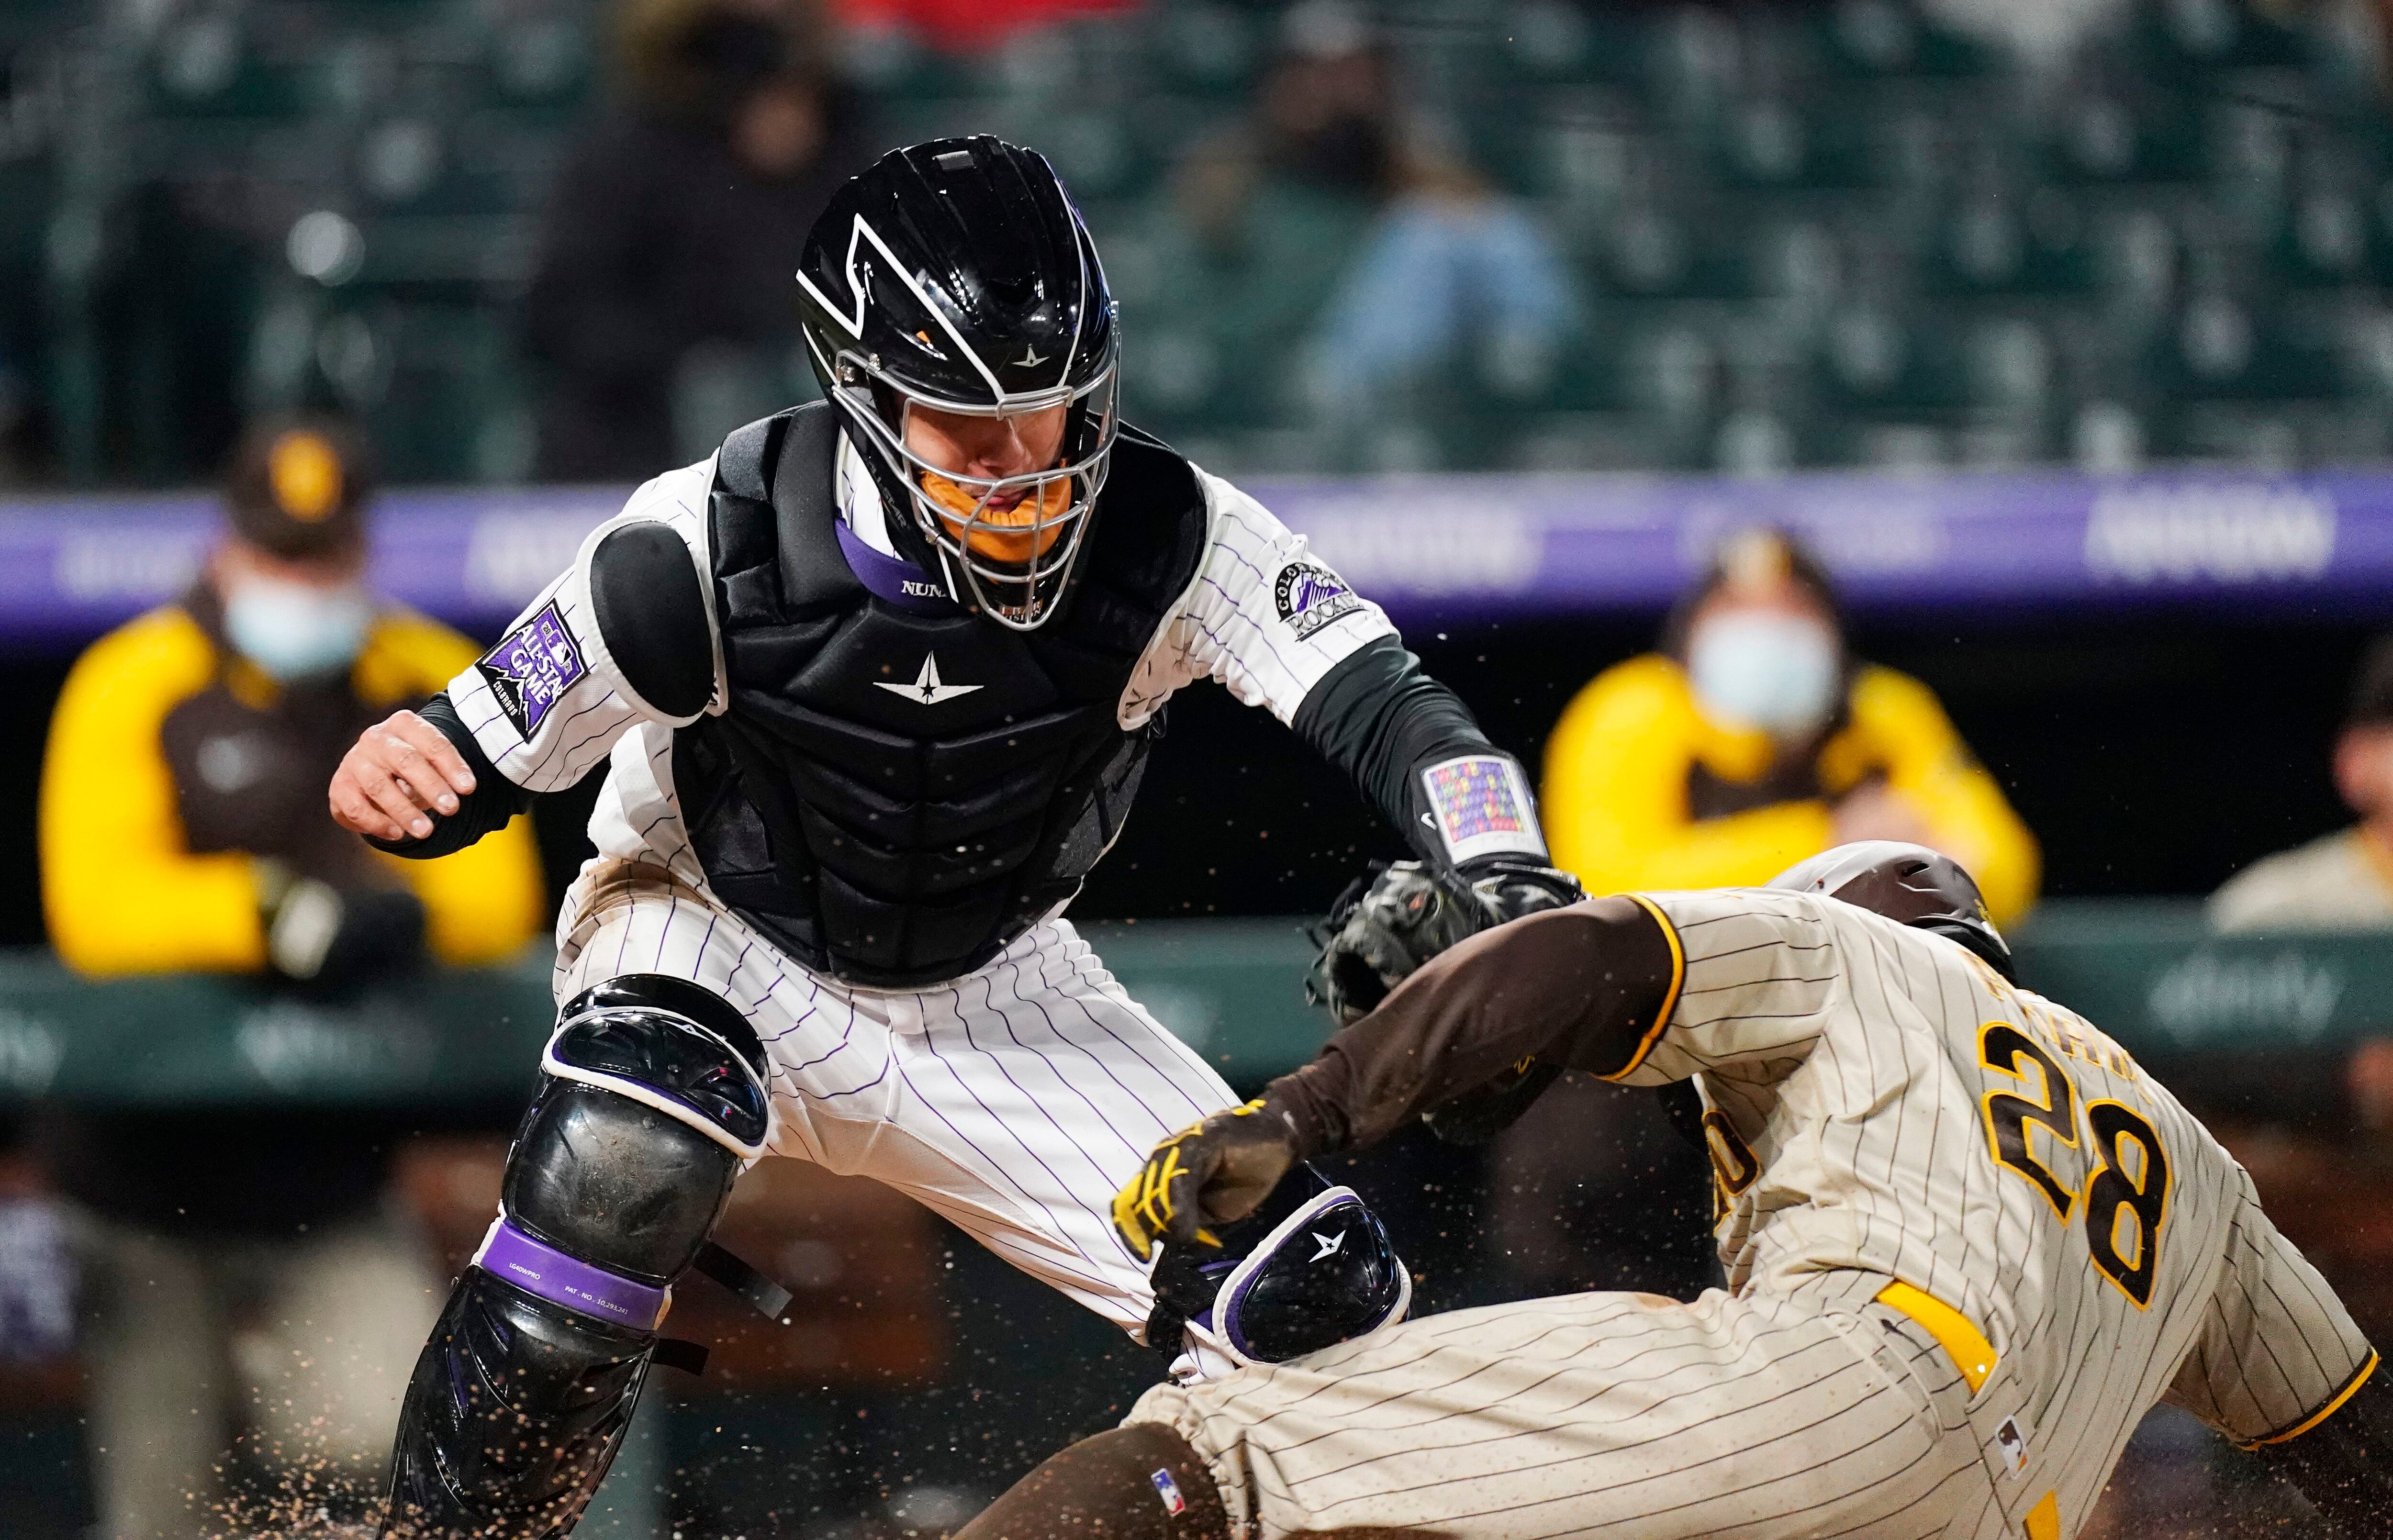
x=1014 y=1102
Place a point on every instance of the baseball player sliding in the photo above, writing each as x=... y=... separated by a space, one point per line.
x=1969 y=1243
x=874 y=686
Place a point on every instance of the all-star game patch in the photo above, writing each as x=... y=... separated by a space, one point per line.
x=1480 y=807
x=1310 y=596
x=532 y=666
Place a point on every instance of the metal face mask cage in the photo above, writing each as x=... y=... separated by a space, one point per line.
x=1019 y=596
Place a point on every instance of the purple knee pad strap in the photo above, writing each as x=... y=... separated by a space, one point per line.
x=540 y=1268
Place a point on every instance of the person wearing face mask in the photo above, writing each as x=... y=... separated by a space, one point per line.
x=1754 y=740
x=183 y=829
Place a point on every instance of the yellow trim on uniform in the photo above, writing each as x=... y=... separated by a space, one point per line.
x=2351 y=1387
x=1967 y=1347
x=1669 y=996
x=2044 y=1520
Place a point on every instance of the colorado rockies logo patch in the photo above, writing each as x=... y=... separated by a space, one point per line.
x=532 y=666
x=1310 y=596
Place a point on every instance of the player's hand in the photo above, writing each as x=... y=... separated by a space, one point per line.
x=1207 y=1174
x=400 y=771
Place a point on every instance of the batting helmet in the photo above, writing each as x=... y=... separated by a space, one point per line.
x=1909 y=884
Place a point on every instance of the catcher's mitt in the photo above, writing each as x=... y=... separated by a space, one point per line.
x=1383 y=928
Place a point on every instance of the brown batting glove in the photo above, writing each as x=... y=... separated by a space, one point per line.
x=1211 y=1172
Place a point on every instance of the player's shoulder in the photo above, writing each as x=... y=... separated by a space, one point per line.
x=1153 y=521
x=1645 y=700
x=1651 y=683
x=678 y=496
x=1769 y=911
x=1888 y=697
x=2328 y=883
x=164 y=649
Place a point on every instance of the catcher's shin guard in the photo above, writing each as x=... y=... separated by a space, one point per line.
x=1310 y=1269
x=654 y=1103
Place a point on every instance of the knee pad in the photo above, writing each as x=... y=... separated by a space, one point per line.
x=1310 y=1269
x=655 y=1100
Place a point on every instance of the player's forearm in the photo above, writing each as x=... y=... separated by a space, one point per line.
x=1579 y=986
x=484 y=809
x=1385 y=723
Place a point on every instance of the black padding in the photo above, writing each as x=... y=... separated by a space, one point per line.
x=615 y=1183
x=664 y=992
x=515 y=1411
x=1378 y=717
x=651 y=611
x=484 y=809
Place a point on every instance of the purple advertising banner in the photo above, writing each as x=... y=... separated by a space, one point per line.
x=1460 y=548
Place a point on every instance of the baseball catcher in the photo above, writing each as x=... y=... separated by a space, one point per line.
x=873 y=685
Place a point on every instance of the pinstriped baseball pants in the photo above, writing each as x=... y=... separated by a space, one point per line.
x=1762 y=1417
x=1014 y=1102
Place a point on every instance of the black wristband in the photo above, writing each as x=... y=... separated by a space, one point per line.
x=1376 y=716
x=484 y=809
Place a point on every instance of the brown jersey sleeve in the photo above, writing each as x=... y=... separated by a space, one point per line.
x=1585 y=988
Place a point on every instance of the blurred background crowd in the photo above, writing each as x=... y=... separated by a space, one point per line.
x=292 y=252
x=551 y=237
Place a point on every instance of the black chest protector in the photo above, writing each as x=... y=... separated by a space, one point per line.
x=904 y=835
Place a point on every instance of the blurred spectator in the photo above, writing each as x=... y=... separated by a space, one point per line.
x=242 y=1268
x=1336 y=216
x=2343 y=881
x=662 y=302
x=1754 y=740
x=1450 y=272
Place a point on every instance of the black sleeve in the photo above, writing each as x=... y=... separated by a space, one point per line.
x=1581 y=987
x=1376 y=716
x=644 y=589
x=2343 y=1464
x=493 y=800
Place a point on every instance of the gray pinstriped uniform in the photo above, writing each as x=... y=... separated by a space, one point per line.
x=1858 y=1140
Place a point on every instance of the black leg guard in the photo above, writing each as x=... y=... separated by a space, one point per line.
x=617 y=1177
x=516 y=1411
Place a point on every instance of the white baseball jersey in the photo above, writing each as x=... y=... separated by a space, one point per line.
x=549 y=702
x=1017 y=1100
x=1968 y=1241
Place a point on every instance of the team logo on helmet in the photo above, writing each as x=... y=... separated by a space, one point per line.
x=1311 y=596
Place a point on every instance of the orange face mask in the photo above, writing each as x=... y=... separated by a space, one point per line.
x=995 y=535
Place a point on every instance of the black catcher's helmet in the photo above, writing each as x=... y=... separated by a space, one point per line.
x=957 y=275
x=1909 y=884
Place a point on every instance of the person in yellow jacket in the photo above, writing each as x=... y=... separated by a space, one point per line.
x=1753 y=739
x=243 y=1272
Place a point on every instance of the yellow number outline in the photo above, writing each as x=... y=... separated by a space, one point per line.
x=2148 y=1237
x=2056 y=1113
